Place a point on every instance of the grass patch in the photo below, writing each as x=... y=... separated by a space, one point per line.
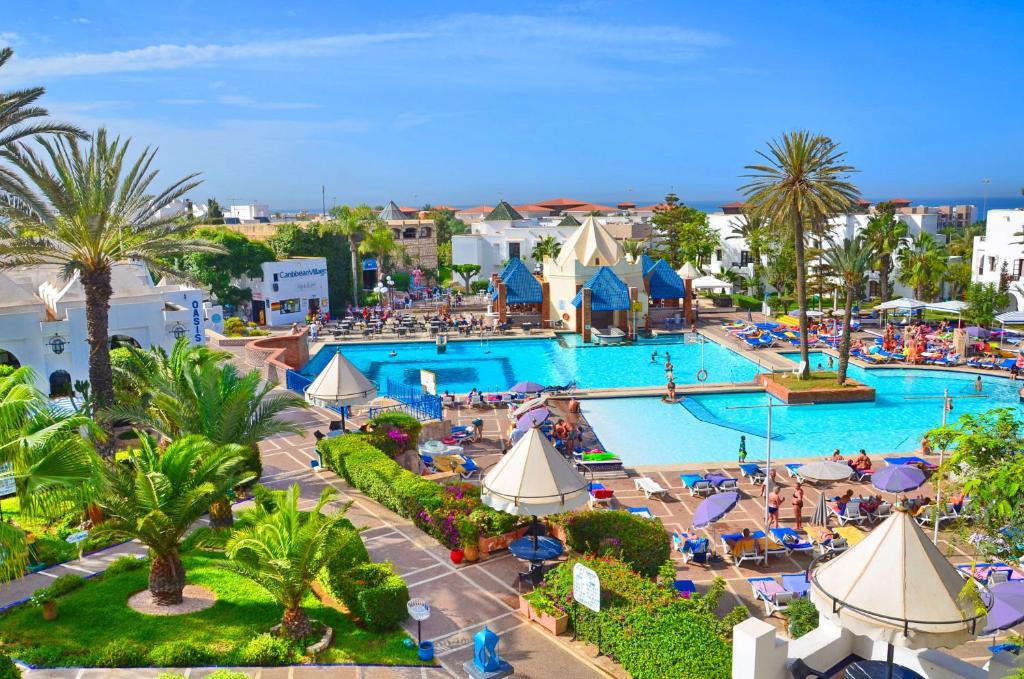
x=817 y=380
x=96 y=618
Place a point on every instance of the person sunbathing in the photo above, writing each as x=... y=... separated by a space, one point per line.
x=862 y=462
x=836 y=456
x=745 y=543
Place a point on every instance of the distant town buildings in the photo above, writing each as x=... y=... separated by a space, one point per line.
x=244 y=214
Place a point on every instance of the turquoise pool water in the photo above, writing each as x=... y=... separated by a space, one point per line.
x=494 y=365
x=647 y=431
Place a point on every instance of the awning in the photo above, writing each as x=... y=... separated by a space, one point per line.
x=953 y=306
x=608 y=293
x=901 y=304
x=1011 y=317
x=664 y=282
x=709 y=282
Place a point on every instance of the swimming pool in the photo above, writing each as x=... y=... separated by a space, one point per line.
x=495 y=365
x=648 y=431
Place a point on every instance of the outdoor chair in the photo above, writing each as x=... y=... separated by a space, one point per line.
x=335 y=425
x=851 y=514
x=756 y=473
x=318 y=434
x=773 y=595
x=833 y=546
x=727 y=485
x=469 y=468
x=997 y=576
x=649 y=487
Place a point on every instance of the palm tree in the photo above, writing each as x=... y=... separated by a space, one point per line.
x=802 y=182
x=157 y=496
x=194 y=390
x=353 y=224
x=93 y=211
x=380 y=243
x=634 y=247
x=886 y=236
x=548 y=246
x=284 y=549
x=849 y=261
x=21 y=118
x=752 y=229
x=54 y=467
x=961 y=241
x=922 y=265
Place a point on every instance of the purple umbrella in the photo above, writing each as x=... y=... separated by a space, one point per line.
x=532 y=418
x=526 y=388
x=1007 y=606
x=898 y=478
x=714 y=508
x=975 y=331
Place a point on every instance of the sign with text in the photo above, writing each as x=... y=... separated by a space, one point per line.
x=586 y=587
x=428 y=380
x=7 y=487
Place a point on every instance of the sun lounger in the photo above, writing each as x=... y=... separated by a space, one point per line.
x=469 y=468
x=753 y=552
x=642 y=511
x=649 y=486
x=949 y=513
x=756 y=473
x=851 y=514
x=912 y=460
x=882 y=511
x=600 y=496
x=697 y=484
x=796 y=583
x=833 y=546
x=771 y=593
x=692 y=549
x=727 y=485
x=792 y=540
x=685 y=587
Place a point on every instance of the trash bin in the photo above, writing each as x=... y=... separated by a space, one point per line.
x=426 y=651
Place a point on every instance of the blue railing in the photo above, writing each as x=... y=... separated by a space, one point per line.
x=297 y=382
x=422 y=406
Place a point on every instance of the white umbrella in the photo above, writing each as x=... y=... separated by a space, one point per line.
x=901 y=304
x=897 y=587
x=340 y=384
x=529 y=405
x=533 y=479
x=688 y=271
x=710 y=282
x=825 y=470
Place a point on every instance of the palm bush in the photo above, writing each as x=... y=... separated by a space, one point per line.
x=849 y=261
x=155 y=497
x=282 y=549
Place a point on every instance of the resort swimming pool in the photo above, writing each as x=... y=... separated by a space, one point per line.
x=648 y=431
x=495 y=365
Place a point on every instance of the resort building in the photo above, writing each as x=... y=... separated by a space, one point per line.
x=289 y=291
x=250 y=212
x=43 y=325
x=417 y=236
x=999 y=253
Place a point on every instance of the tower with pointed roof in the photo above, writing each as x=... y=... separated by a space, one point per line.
x=503 y=212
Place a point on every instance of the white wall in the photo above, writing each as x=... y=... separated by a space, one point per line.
x=999 y=245
x=301 y=279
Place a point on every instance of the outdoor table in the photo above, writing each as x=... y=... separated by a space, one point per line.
x=545 y=549
x=878 y=669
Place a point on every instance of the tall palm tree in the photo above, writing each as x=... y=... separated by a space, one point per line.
x=802 y=182
x=922 y=265
x=380 y=243
x=961 y=241
x=20 y=118
x=634 y=247
x=92 y=211
x=752 y=229
x=54 y=467
x=849 y=261
x=157 y=496
x=284 y=549
x=887 y=236
x=353 y=223
x=548 y=246
x=194 y=390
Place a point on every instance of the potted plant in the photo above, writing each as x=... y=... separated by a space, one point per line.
x=544 y=612
x=47 y=600
x=456 y=555
x=469 y=536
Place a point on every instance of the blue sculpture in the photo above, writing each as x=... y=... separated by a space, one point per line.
x=487 y=664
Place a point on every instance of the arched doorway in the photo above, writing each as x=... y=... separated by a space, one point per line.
x=124 y=341
x=8 y=359
x=60 y=383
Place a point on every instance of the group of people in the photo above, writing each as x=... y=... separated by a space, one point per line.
x=670 y=382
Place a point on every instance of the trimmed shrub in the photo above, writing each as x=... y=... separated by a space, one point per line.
x=8 y=670
x=181 y=653
x=394 y=432
x=746 y=302
x=121 y=653
x=374 y=593
x=803 y=617
x=640 y=542
x=478 y=286
x=66 y=584
x=125 y=564
x=266 y=650
x=6 y=370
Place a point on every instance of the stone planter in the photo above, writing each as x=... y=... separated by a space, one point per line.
x=499 y=542
x=557 y=531
x=854 y=392
x=554 y=624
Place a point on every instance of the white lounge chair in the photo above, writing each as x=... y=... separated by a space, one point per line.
x=852 y=513
x=752 y=553
x=771 y=594
x=834 y=546
x=727 y=485
x=649 y=486
x=883 y=511
x=475 y=401
x=948 y=514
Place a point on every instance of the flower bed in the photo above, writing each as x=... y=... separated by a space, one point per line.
x=646 y=627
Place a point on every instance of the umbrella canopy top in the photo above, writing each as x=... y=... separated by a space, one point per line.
x=688 y=271
x=953 y=306
x=340 y=384
x=896 y=586
x=825 y=470
x=977 y=331
x=898 y=478
x=532 y=418
x=714 y=508
x=533 y=479
x=706 y=282
x=526 y=388
x=901 y=304
x=1007 y=606
x=530 y=404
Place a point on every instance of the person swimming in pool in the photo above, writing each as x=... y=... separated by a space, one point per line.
x=654 y=356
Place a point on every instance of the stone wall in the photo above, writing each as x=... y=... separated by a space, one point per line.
x=273 y=356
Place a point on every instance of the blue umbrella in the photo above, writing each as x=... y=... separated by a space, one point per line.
x=532 y=418
x=526 y=388
x=714 y=508
x=898 y=478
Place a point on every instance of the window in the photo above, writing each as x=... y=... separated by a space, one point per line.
x=286 y=306
x=397 y=233
x=425 y=232
x=991 y=263
x=745 y=258
x=718 y=255
x=275 y=278
x=409 y=232
x=1018 y=267
x=513 y=250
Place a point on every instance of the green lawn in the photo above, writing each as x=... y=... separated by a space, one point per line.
x=817 y=380
x=96 y=616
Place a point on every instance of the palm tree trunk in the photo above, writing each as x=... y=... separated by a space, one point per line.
x=801 y=293
x=844 y=343
x=883 y=276
x=166 y=579
x=221 y=515
x=353 y=246
x=296 y=624
x=98 y=291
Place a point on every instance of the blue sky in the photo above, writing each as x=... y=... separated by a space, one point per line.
x=463 y=102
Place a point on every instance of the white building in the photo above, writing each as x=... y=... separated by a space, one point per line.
x=181 y=207
x=733 y=254
x=1001 y=246
x=290 y=290
x=43 y=325
x=251 y=212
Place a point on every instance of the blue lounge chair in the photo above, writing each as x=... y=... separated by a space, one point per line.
x=754 y=472
x=697 y=484
x=642 y=511
x=774 y=596
x=469 y=468
x=685 y=587
x=912 y=460
x=796 y=583
x=696 y=550
x=792 y=540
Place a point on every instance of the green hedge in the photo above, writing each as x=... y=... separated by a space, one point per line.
x=803 y=617
x=8 y=670
x=647 y=628
x=373 y=592
x=640 y=542
x=746 y=302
